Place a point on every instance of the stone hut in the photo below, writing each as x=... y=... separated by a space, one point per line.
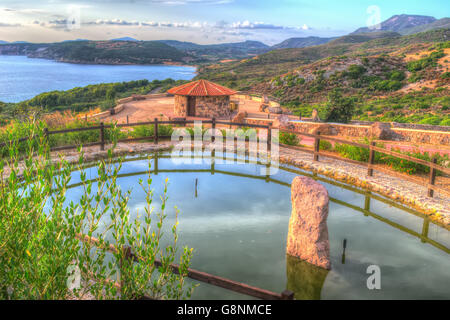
x=202 y=98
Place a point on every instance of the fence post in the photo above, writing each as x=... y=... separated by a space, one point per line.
x=432 y=178
x=156 y=131
x=371 y=159
x=287 y=295
x=102 y=136
x=213 y=125
x=269 y=138
x=316 y=147
x=46 y=135
x=128 y=121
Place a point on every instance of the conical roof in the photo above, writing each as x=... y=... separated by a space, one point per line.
x=201 y=88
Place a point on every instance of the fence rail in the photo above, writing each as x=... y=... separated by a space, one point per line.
x=371 y=166
x=217 y=281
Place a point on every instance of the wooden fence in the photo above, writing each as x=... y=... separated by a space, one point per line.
x=200 y=276
x=370 y=164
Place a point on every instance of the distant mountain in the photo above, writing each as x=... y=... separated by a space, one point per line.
x=75 y=40
x=438 y=24
x=3 y=42
x=20 y=42
x=233 y=50
x=301 y=42
x=124 y=39
x=398 y=23
x=364 y=37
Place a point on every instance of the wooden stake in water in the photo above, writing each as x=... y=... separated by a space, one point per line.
x=196 y=184
x=344 y=245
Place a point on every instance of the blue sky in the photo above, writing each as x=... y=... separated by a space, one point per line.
x=202 y=21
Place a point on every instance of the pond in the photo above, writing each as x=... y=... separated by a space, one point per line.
x=237 y=222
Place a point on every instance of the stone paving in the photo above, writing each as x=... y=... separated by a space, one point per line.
x=408 y=193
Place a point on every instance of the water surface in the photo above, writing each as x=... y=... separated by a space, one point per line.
x=22 y=78
x=237 y=223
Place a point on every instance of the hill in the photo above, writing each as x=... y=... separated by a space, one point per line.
x=124 y=39
x=438 y=24
x=398 y=23
x=101 y=52
x=301 y=42
x=244 y=74
x=390 y=78
x=214 y=52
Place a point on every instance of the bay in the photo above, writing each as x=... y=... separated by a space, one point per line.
x=22 y=78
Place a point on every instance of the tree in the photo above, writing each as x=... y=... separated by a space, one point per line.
x=339 y=108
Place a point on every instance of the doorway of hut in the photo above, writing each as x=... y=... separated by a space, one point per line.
x=191 y=107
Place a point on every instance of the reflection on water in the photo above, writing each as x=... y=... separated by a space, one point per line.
x=237 y=221
x=304 y=279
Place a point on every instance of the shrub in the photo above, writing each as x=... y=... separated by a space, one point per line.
x=339 y=108
x=325 y=145
x=355 y=71
x=40 y=250
x=289 y=138
x=445 y=75
x=149 y=131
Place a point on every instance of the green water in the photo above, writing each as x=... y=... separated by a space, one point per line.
x=237 y=223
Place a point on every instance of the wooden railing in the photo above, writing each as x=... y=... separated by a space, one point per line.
x=370 y=164
x=199 y=276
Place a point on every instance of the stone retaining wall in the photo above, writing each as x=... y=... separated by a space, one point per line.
x=415 y=126
x=360 y=131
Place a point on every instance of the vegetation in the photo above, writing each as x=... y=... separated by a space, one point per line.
x=41 y=255
x=106 y=52
x=339 y=108
x=82 y=99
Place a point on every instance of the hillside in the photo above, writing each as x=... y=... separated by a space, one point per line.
x=245 y=74
x=301 y=42
x=213 y=52
x=401 y=78
x=398 y=23
x=101 y=52
x=438 y=24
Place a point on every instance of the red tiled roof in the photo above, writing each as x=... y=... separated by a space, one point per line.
x=201 y=88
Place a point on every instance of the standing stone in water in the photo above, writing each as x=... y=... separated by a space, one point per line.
x=308 y=232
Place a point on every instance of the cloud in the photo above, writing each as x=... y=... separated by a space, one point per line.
x=9 y=25
x=254 y=25
x=114 y=22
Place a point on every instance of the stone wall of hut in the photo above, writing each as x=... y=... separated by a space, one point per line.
x=212 y=106
x=181 y=106
x=208 y=107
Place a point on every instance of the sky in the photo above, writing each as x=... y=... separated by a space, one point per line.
x=200 y=21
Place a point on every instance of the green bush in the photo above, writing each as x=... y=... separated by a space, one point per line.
x=289 y=138
x=355 y=71
x=149 y=131
x=325 y=145
x=339 y=108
